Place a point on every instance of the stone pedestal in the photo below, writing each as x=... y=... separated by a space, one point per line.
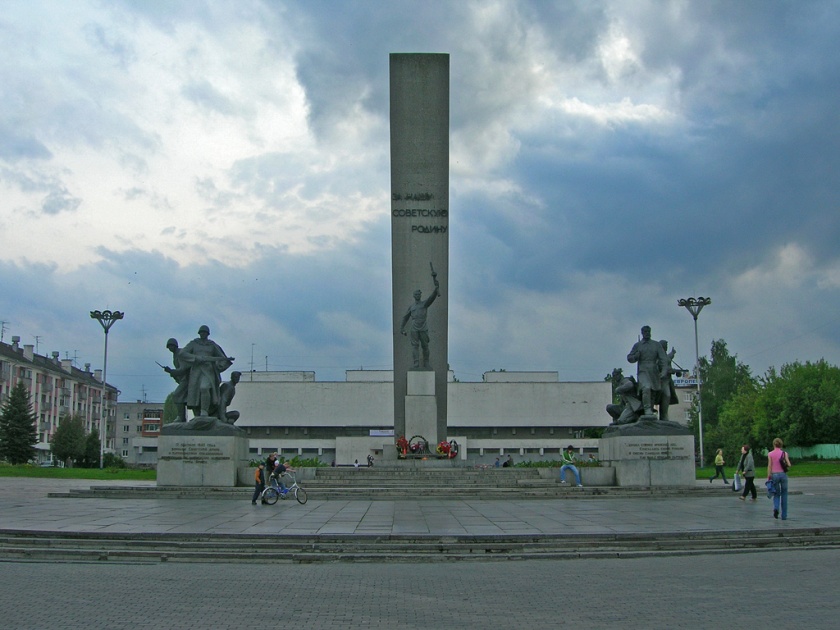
x=421 y=406
x=200 y=460
x=649 y=460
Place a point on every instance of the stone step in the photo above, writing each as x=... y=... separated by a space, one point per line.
x=426 y=476
x=243 y=548
x=461 y=483
x=373 y=493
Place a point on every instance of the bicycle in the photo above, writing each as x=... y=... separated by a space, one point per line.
x=272 y=493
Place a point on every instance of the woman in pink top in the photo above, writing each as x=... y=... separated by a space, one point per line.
x=777 y=473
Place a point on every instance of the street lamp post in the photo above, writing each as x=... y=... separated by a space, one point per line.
x=107 y=319
x=694 y=306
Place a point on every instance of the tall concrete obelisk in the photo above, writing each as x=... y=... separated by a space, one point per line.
x=420 y=233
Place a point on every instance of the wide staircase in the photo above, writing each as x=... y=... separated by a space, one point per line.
x=415 y=482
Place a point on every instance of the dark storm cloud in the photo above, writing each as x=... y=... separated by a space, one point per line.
x=608 y=159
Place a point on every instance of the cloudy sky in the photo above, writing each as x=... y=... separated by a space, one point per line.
x=227 y=163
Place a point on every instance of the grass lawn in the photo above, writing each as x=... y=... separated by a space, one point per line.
x=805 y=468
x=108 y=474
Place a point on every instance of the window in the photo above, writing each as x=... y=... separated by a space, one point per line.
x=126 y=428
x=125 y=441
x=125 y=453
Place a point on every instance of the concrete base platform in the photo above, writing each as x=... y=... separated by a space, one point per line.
x=129 y=530
x=650 y=460
x=200 y=460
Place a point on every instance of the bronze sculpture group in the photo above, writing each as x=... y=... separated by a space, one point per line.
x=197 y=368
x=653 y=384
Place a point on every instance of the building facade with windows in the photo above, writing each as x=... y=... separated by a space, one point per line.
x=57 y=390
x=528 y=415
x=138 y=427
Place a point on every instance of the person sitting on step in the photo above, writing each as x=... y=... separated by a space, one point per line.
x=569 y=464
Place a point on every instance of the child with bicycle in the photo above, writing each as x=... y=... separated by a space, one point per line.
x=259 y=483
x=277 y=474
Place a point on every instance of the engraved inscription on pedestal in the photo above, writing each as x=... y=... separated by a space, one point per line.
x=645 y=449
x=199 y=453
x=650 y=460
x=198 y=460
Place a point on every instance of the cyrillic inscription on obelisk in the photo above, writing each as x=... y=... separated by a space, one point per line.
x=420 y=227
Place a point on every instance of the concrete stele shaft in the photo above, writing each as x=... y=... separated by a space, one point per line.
x=419 y=91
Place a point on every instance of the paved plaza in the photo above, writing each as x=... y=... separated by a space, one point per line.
x=25 y=506
x=792 y=588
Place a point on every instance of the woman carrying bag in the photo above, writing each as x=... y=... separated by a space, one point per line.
x=747 y=467
x=778 y=463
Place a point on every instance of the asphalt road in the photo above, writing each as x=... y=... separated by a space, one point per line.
x=786 y=589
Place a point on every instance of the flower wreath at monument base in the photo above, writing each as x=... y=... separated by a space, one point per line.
x=418 y=448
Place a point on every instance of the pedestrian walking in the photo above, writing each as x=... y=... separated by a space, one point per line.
x=747 y=467
x=778 y=463
x=259 y=483
x=719 y=467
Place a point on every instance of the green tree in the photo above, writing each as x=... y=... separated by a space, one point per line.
x=90 y=459
x=68 y=443
x=170 y=410
x=722 y=376
x=18 y=435
x=614 y=378
x=800 y=404
x=736 y=424
x=112 y=460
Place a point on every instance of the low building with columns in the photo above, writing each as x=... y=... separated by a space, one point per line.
x=526 y=415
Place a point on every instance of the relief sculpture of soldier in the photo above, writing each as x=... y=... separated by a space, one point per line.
x=181 y=375
x=652 y=367
x=198 y=369
x=653 y=385
x=668 y=393
x=630 y=407
x=417 y=313
x=206 y=361
x=226 y=393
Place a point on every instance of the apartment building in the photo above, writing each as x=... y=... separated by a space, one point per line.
x=138 y=427
x=57 y=389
